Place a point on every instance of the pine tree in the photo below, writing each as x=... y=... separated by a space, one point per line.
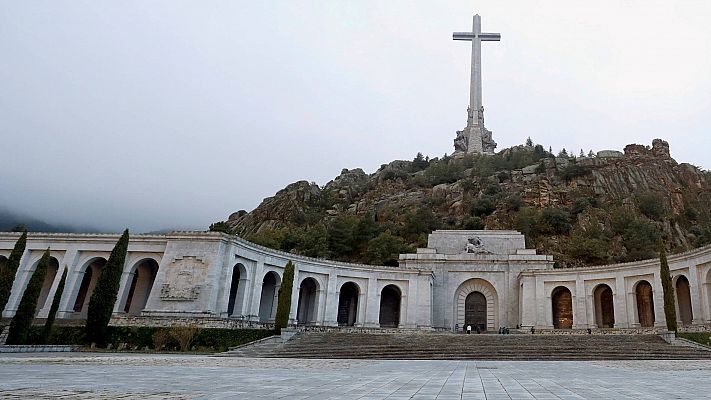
x=47 y=330
x=21 y=323
x=529 y=142
x=7 y=274
x=582 y=154
x=101 y=303
x=591 y=154
x=668 y=290
x=284 y=302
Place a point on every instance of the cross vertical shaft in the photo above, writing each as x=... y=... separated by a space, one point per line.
x=475 y=100
x=475 y=138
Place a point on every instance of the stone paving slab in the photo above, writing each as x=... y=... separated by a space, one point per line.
x=110 y=376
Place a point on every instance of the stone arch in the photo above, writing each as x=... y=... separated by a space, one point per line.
x=390 y=302
x=307 y=307
x=604 y=306
x=562 y=304
x=683 y=300
x=89 y=273
x=140 y=283
x=644 y=297
x=492 y=302
x=49 y=277
x=348 y=304
x=237 y=289
x=269 y=296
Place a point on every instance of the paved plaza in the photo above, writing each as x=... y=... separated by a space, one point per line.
x=109 y=376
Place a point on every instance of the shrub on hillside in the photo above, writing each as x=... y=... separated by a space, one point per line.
x=652 y=205
x=184 y=335
x=555 y=221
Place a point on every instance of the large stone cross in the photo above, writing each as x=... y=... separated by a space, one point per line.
x=476 y=37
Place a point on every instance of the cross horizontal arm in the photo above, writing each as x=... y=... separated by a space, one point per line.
x=463 y=36
x=485 y=37
x=490 y=37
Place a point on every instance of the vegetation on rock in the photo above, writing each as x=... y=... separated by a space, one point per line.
x=582 y=210
x=101 y=303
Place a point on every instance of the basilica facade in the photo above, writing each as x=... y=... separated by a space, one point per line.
x=479 y=279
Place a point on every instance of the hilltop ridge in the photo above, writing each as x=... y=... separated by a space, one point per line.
x=589 y=210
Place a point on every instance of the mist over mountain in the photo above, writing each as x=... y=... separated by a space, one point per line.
x=10 y=219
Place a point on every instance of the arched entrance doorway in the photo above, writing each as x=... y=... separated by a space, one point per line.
x=268 y=300
x=49 y=277
x=683 y=300
x=348 y=304
x=88 y=283
x=144 y=275
x=234 y=303
x=604 y=307
x=645 y=304
x=390 y=307
x=562 y=301
x=307 y=309
x=475 y=312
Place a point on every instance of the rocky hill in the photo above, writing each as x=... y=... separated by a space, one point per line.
x=591 y=210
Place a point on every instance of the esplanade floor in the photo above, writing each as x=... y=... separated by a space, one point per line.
x=110 y=376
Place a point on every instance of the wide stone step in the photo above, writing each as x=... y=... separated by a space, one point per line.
x=480 y=347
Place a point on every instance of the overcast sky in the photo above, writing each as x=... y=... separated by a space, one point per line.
x=173 y=114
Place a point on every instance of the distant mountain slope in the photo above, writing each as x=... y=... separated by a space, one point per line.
x=583 y=210
x=9 y=220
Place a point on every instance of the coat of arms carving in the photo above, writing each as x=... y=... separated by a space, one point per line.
x=181 y=280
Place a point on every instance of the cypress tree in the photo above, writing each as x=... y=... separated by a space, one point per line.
x=22 y=321
x=46 y=332
x=284 y=302
x=101 y=303
x=7 y=274
x=668 y=289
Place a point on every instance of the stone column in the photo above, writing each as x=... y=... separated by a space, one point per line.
x=528 y=302
x=295 y=292
x=580 y=317
x=256 y=291
x=544 y=317
x=372 y=305
x=622 y=315
x=331 y=315
x=695 y=291
x=71 y=284
x=591 y=312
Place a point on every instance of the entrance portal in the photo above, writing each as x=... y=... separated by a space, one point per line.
x=645 y=304
x=562 y=308
x=683 y=299
x=604 y=307
x=390 y=307
x=475 y=311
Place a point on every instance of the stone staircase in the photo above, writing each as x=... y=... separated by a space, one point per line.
x=447 y=346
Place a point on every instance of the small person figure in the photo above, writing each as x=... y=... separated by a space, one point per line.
x=469 y=329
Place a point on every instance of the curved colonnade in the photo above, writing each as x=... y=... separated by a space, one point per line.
x=212 y=275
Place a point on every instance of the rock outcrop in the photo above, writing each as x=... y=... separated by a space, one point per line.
x=456 y=190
